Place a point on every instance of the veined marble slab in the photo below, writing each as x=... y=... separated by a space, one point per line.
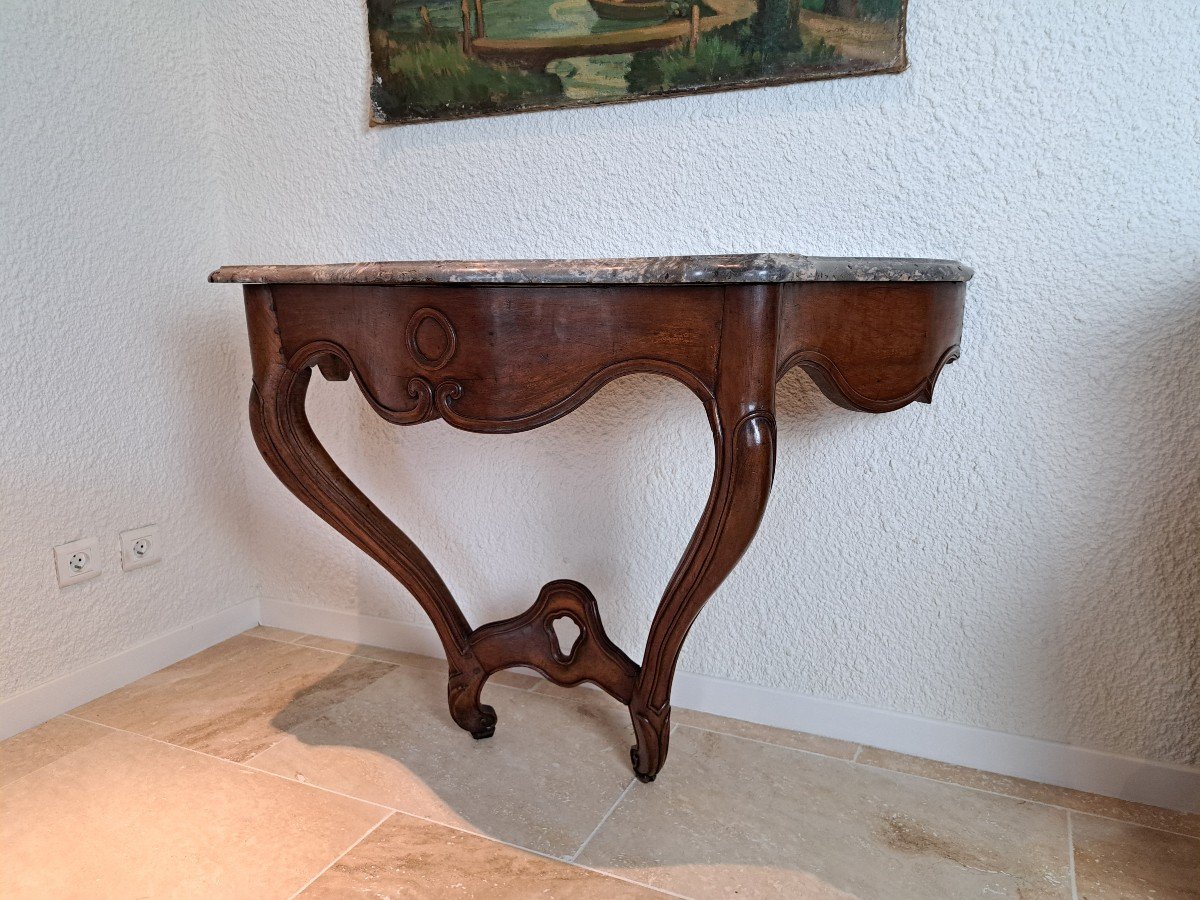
x=763 y=268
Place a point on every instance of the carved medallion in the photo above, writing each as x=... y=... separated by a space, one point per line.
x=430 y=338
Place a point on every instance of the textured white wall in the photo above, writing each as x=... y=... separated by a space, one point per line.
x=122 y=373
x=1022 y=555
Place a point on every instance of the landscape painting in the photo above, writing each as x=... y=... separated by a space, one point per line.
x=452 y=59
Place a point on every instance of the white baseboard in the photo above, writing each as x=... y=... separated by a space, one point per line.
x=36 y=705
x=1083 y=769
x=349 y=626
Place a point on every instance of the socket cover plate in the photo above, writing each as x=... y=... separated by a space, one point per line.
x=129 y=540
x=62 y=561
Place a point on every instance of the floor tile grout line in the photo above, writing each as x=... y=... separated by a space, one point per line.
x=547 y=856
x=627 y=880
x=604 y=818
x=34 y=771
x=854 y=759
x=246 y=765
x=386 y=662
x=370 y=831
x=742 y=737
x=1071 y=855
x=282 y=737
x=861 y=747
x=263 y=637
x=584 y=693
x=1066 y=809
x=533 y=689
x=328 y=790
x=388 y=810
x=240 y=765
x=955 y=784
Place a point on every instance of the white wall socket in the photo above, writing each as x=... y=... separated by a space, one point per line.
x=140 y=547
x=77 y=561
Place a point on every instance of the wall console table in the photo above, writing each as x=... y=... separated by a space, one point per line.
x=501 y=347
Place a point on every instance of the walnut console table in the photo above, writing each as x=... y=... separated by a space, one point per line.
x=502 y=347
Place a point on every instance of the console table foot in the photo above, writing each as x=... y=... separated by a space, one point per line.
x=652 y=728
x=633 y=756
x=468 y=713
x=484 y=733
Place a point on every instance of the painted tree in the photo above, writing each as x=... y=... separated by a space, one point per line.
x=771 y=29
x=845 y=8
x=380 y=13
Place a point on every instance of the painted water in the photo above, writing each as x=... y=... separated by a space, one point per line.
x=583 y=77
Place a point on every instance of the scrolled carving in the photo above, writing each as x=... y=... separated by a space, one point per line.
x=835 y=386
x=419 y=388
x=535 y=359
x=450 y=391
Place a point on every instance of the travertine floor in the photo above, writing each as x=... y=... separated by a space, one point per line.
x=276 y=764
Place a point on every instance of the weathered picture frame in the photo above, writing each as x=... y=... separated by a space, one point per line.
x=434 y=60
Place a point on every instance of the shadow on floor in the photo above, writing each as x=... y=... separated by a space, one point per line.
x=727 y=814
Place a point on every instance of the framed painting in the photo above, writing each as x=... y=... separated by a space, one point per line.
x=454 y=59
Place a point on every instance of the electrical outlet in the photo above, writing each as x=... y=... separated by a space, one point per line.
x=77 y=561
x=140 y=547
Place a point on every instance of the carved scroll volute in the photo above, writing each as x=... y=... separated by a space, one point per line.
x=497 y=359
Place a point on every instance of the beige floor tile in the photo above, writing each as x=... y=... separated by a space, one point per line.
x=1138 y=813
x=30 y=750
x=406 y=857
x=544 y=781
x=797 y=740
x=383 y=654
x=517 y=680
x=576 y=692
x=729 y=816
x=235 y=699
x=130 y=817
x=274 y=634
x=1117 y=860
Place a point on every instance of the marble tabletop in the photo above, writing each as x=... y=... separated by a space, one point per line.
x=762 y=268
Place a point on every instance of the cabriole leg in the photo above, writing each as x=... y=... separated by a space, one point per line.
x=743 y=422
x=291 y=449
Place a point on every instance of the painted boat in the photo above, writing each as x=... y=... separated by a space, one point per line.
x=632 y=10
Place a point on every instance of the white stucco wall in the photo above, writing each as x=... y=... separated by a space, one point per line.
x=1022 y=555
x=123 y=375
